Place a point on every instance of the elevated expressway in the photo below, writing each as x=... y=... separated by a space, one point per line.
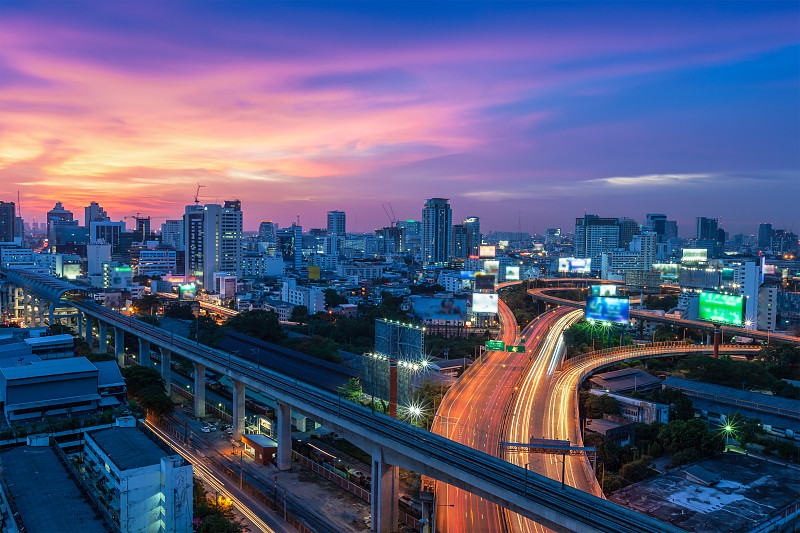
x=391 y=443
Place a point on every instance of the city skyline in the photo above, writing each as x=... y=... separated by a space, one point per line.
x=616 y=109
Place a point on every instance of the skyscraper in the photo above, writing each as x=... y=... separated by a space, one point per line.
x=595 y=236
x=266 y=231
x=290 y=242
x=94 y=213
x=473 y=225
x=437 y=231
x=627 y=229
x=213 y=241
x=337 y=223
x=706 y=228
x=461 y=249
x=7 y=221
x=56 y=216
x=764 y=235
x=172 y=234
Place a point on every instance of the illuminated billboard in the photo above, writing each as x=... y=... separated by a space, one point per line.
x=573 y=264
x=467 y=275
x=667 y=270
x=608 y=309
x=769 y=269
x=723 y=308
x=186 y=291
x=484 y=303
x=604 y=290
x=512 y=273
x=314 y=272
x=538 y=247
x=486 y=251
x=694 y=255
x=491 y=267
x=484 y=282
x=440 y=308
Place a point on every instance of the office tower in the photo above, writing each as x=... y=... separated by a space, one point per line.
x=473 y=225
x=670 y=230
x=337 y=223
x=595 y=236
x=107 y=232
x=57 y=215
x=437 y=231
x=8 y=221
x=461 y=248
x=266 y=231
x=213 y=241
x=764 y=235
x=552 y=235
x=172 y=234
x=627 y=229
x=390 y=240
x=411 y=227
x=94 y=213
x=706 y=228
x=653 y=221
x=645 y=244
x=290 y=243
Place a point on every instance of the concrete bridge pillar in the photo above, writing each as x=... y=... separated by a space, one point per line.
x=166 y=369
x=199 y=390
x=144 y=353
x=119 y=345
x=80 y=324
x=51 y=312
x=102 y=336
x=90 y=333
x=238 y=409
x=26 y=315
x=385 y=493
x=40 y=310
x=284 y=435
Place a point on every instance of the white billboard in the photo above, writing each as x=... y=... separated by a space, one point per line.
x=512 y=273
x=484 y=303
x=574 y=264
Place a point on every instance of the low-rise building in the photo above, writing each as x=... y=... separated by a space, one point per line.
x=625 y=380
x=143 y=487
x=637 y=410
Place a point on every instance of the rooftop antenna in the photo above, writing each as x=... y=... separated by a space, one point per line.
x=19 y=206
x=197 y=194
x=298 y=219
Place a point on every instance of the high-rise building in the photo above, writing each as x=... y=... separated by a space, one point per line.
x=143 y=228
x=595 y=236
x=56 y=216
x=706 y=228
x=437 y=231
x=653 y=221
x=670 y=230
x=7 y=221
x=266 y=231
x=94 y=213
x=764 y=235
x=106 y=231
x=645 y=244
x=475 y=238
x=213 y=241
x=411 y=227
x=172 y=234
x=290 y=243
x=552 y=235
x=461 y=248
x=627 y=229
x=337 y=223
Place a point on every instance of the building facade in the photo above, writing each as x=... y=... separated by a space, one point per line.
x=437 y=232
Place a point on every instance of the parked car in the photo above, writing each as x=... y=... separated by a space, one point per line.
x=205 y=429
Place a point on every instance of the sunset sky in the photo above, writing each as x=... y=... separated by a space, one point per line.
x=543 y=109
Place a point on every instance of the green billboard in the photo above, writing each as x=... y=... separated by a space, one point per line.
x=723 y=308
x=515 y=349
x=497 y=346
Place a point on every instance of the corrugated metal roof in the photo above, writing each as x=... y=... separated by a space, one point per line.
x=50 y=367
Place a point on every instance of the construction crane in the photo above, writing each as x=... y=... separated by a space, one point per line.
x=144 y=227
x=392 y=218
x=197 y=194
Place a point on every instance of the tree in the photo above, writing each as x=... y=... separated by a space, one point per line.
x=680 y=406
x=745 y=429
x=351 y=390
x=215 y=516
x=299 y=314
x=146 y=305
x=333 y=299
x=179 y=311
x=148 y=387
x=260 y=324
x=595 y=406
x=637 y=470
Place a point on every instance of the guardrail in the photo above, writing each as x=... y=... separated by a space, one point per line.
x=655 y=349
